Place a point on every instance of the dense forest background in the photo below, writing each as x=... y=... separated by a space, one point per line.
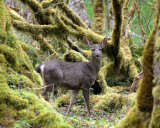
x=126 y=90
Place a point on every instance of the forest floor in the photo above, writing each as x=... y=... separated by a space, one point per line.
x=99 y=118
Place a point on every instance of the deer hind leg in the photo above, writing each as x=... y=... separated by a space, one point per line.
x=86 y=97
x=73 y=97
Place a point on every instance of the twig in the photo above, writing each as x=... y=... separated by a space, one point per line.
x=132 y=33
x=43 y=87
x=149 y=19
x=27 y=40
x=74 y=46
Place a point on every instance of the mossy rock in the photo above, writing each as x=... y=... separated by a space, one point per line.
x=111 y=102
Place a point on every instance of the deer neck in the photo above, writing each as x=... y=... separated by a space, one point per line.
x=95 y=64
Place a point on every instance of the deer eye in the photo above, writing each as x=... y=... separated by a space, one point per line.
x=92 y=49
x=100 y=49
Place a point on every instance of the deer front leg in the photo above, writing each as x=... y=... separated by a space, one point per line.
x=73 y=97
x=47 y=91
x=86 y=97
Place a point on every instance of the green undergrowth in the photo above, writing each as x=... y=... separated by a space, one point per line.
x=106 y=110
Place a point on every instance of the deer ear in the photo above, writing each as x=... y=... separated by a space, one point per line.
x=87 y=42
x=104 y=42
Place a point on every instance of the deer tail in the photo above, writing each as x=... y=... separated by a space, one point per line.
x=38 y=69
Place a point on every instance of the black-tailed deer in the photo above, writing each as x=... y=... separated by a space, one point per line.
x=74 y=76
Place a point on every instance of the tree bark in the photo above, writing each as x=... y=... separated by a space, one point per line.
x=79 y=8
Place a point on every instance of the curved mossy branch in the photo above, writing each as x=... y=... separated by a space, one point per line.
x=44 y=45
x=33 y=4
x=74 y=46
x=80 y=32
x=62 y=28
x=48 y=3
x=140 y=24
x=99 y=17
x=72 y=16
x=38 y=11
x=34 y=29
x=132 y=10
x=15 y=15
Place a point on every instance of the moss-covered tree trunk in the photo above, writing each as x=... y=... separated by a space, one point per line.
x=146 y=112
x=99 y=17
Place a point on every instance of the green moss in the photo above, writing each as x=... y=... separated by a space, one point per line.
x=99 y=16
x=37 y=78
x=63 y=100
x=16 y=68
x=145 y=98
x=9 y=54
x=47 y=3
x=117 y=10
x=101 y=82
x=2 y=75
x=107 y=69
x=44 y=45
x=3 y=61
x=131 y=120
x=133 y=71
x=41 y=113
x=11 y=97
x=15 y=15
x=111 y=102
x=71 y=15
x=11 y=37
x=73 y=56
x=155 y=118
x=7 y=114
x=3 y=34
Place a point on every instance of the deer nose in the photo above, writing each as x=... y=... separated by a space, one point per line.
x=97 y=55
